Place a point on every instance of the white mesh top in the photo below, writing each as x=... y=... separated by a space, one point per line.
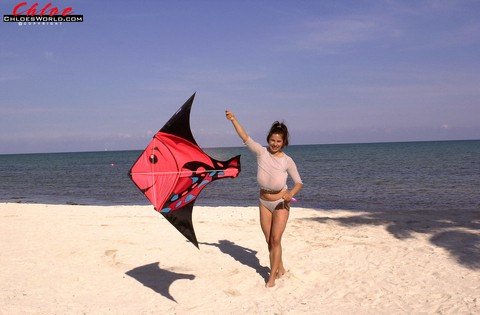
x=273 y=171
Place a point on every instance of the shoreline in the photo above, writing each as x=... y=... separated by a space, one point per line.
x=129 y=259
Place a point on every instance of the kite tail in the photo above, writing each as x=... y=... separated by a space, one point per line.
x=230 y=168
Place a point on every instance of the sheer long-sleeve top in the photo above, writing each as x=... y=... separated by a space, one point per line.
x=272 y=172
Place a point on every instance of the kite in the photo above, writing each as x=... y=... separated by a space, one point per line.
x=173 y=170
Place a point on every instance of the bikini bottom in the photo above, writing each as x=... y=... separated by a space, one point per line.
x=275 y=205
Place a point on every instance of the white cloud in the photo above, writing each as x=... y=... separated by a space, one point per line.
x=49 y=55
x=327 y=35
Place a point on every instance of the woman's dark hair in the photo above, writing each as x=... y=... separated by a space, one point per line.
x=281 y=129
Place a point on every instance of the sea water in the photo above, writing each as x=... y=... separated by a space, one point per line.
x=401 y=176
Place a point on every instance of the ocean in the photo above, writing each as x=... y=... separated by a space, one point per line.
x=400 y=176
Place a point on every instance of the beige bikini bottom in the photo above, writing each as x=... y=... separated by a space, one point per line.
x=275 y=205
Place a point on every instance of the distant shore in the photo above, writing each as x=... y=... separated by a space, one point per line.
x=59 y=259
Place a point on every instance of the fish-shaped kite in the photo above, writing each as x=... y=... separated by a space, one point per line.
x=173 y=170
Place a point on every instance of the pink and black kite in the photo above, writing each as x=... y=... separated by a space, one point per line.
x=173 y=170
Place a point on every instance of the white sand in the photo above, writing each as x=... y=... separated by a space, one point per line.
x=129 y=260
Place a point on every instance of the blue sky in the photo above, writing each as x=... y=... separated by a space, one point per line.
x=335 y=71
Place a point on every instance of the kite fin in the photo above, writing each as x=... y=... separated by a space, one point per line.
x=181 y=219
x=179 y=123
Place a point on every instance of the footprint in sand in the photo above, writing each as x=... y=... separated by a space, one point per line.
x=113 y=254
x=231 y=292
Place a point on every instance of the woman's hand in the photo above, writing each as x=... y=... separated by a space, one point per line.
x=287 y=197
x=238 y=128
x=230 y=116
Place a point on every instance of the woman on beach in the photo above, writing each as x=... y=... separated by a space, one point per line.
x=274 y=166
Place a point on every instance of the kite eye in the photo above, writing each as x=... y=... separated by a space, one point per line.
x=153 y=159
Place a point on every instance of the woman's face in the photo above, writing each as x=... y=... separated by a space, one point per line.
x=275 y=143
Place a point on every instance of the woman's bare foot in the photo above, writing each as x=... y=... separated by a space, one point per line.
x=270 y=283
x=281 y=271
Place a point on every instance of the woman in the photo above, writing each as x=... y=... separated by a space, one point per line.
x=274 y=166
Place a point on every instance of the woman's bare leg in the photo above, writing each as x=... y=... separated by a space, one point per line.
x=266 y=223
x=279 y=222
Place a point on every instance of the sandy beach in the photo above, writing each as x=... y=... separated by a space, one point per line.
x=70 y=259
